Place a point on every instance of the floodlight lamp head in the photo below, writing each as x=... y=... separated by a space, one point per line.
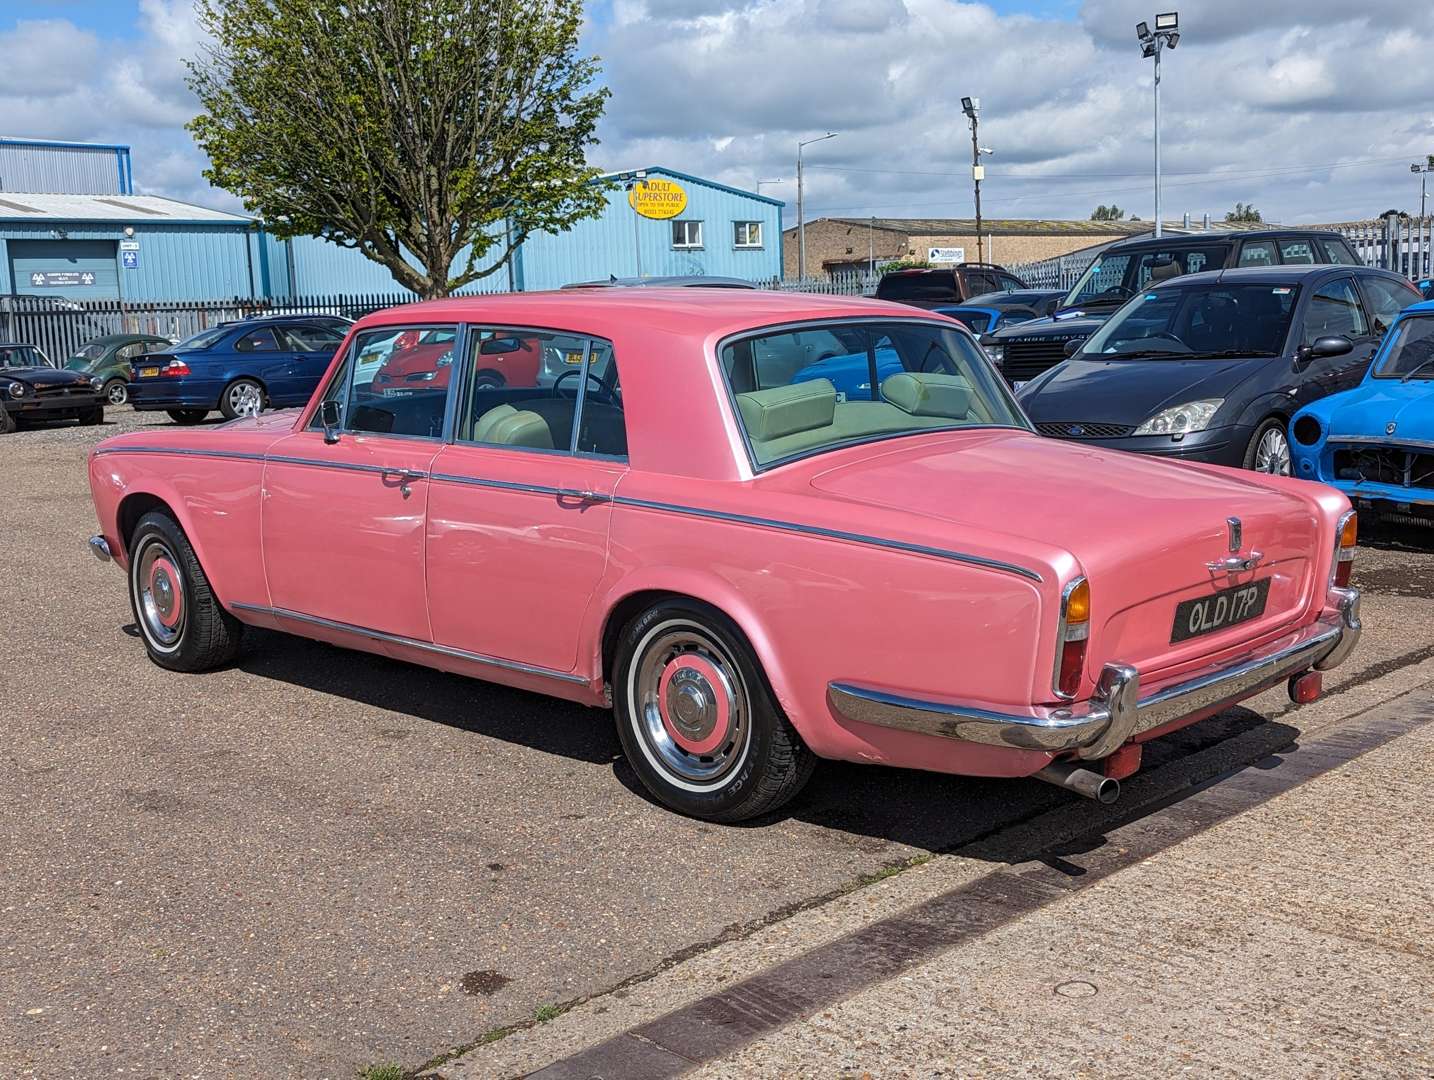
x=1142 y=31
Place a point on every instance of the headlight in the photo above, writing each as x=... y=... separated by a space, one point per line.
x=96 y=382
x=997 y=353
x=16 y=389
x=1192 y=416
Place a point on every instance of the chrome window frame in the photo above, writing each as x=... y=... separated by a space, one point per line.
x=802 y=325
x=349 y=366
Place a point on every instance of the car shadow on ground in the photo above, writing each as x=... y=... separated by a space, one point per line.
x=871 y=804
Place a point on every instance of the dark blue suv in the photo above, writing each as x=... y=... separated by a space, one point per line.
x=238 y=368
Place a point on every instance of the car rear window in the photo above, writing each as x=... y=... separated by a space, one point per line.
x=938 y=285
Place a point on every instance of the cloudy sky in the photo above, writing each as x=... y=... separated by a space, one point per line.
x=1310 y=109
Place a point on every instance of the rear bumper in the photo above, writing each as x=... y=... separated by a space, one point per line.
x=158 y=394
x=1117 y=712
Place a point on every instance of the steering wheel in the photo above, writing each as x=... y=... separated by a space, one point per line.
x=596 y=386
x=1117 y=290
x=1168 y=336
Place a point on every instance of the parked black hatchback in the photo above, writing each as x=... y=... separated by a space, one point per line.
x=942 y=286
x=1210 y=367
x=1124 y=268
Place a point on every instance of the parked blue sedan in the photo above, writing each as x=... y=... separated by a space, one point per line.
x=238 y=368
x=1376 y=442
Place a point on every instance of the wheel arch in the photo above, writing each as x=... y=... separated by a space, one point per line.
x=135 y=504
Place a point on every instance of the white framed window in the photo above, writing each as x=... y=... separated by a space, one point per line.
x=747 y=234
x=687 y=234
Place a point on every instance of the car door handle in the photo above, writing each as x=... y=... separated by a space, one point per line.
x=575 y=495
x=405 y=477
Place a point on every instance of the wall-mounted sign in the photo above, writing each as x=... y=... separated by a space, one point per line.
x=946 y=255
x=61 y=279
x=129 y=245
x=658 y=199
x=130 y=260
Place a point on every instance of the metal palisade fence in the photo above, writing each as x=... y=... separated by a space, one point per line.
x=60 y=327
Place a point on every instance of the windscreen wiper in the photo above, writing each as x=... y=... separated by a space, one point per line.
x=1216 y=354
x=1417 y=368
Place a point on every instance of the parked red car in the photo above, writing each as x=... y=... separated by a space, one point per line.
x=424 y=359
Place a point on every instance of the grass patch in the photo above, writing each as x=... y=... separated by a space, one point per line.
x=544 y=1013
x=382 y=1072
x=891 y=871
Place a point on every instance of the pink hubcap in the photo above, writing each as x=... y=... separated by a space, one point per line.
x=168 y=596
x=695 y=704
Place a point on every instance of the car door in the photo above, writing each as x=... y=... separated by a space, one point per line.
x=309 y=349
x=262 y=354
x=520 y=504
x=343 y=521
x=1334 y=310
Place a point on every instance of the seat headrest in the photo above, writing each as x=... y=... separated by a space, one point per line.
x=928 y=394
x=522 y=428
x=483 y=429
x=786 y=410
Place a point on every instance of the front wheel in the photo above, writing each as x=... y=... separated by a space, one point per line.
x=1269 y=449
x=7 y=422
x=116 y=392
x=696 y=719
x=181 y=622
x=243 y=397
x=187 y=416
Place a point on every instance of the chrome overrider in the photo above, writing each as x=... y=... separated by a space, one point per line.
x=100 y=548
x=1117 y=712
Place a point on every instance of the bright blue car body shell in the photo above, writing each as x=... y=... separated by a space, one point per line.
x=1382 y=413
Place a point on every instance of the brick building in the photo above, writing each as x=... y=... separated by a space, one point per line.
x=838 y=246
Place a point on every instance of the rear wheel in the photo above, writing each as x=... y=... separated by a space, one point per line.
x=116 y=392
x=180 y=621
x=696 y=719
x=1269 y=449
x=93 y=416
x=7 y=422
x=187 y=416
x=242 y=397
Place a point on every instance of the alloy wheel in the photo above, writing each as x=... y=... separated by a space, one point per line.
x=117 y=393
x=245 y=399
x=1273 y=453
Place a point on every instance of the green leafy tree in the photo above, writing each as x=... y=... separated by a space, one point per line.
x=1107 y=213
x=447 y=130
x=1243 y=214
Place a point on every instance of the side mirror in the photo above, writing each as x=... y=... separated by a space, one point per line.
x=1073 y=346
x=1052 y=305
x=1332 y=345
x=330 y=416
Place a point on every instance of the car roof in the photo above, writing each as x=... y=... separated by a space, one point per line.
x=1199 y=239
x=611 y=313
x=685 y=281
x=1424 y=307
x=1288 y=274
x=105 y=339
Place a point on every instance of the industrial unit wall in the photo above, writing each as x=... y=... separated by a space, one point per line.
x=75 y=168
x=701 y=239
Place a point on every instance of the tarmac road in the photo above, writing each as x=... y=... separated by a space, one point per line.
x=319 y=860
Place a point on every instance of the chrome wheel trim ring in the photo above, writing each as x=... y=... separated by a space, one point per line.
x=689 y=706
x=160 y=599
x=245 y=399
x=117 y=394
x=1272 y=455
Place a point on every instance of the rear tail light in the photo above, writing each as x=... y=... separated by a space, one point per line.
x=1348 y=533
x=175 y=368
x=1074 y=633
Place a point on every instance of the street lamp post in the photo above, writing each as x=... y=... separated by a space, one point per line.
x=801 y=219
x=1167 y=35
x=972 y=108
x=630 y=181
x=1423 y=171
x=778 y=180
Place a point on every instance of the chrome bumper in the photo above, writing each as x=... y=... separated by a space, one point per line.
x=1117 y=712
x=100 y=548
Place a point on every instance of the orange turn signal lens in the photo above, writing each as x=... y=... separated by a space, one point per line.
x=1350 y=532
x=1078 y=604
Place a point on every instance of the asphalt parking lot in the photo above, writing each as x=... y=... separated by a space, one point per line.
x=316 y=860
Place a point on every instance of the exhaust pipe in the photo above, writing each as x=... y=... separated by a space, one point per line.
x=1092 y=785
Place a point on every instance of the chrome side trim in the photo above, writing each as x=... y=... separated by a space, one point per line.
x=412 y=643
x=498 y=485
x=229 y=455
x=1339 y=545
x=830 y=534
x=1117 y=711
x=350 y=466
x=1393 y=442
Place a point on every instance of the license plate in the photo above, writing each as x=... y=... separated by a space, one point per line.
x=573 y=357
x=148 y=372
x=1223 y=609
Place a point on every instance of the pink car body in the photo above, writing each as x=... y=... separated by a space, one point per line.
x=904 y=597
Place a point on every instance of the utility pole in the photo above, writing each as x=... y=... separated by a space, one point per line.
x=1423 y=171
x=871 y=249
x=801 y=218
x=635 y=181
x=1167 y=34
x=972 y=108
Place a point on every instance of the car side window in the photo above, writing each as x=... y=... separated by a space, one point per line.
x=1258 y=253
x=312 y=338
x=1010 y=284
x=1338 y=251
x=261 y=340
x=541 y=390
x=1386 y=299
x=130 y=351
x=1298 y=251
x=1334 y=311
x=401 y=376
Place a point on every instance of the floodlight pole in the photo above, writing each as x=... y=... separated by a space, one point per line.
x=636 y=180
x=1167 y=34
x=1157 y=138
x=976 y=172
x=801 y=218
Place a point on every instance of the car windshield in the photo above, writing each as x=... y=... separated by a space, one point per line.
x=203 y=339
x=1411 y=353
x=917 y=285
x=1184 y=322
x=825 y=385
x=17 y=356
x=1114 y=278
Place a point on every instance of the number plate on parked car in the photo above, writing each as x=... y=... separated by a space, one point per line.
x=1220 y=610
x=148 y=372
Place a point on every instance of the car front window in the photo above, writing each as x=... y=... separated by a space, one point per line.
x=21 y=356
x=1411 y=353
x=1101 y=279
x=1197 y=321
x=808 y=390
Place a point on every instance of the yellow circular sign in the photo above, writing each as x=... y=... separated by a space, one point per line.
x=657 y=198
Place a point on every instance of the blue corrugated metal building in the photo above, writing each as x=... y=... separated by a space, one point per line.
x=110 y=244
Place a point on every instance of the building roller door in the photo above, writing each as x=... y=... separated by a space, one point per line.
x=73 y=269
